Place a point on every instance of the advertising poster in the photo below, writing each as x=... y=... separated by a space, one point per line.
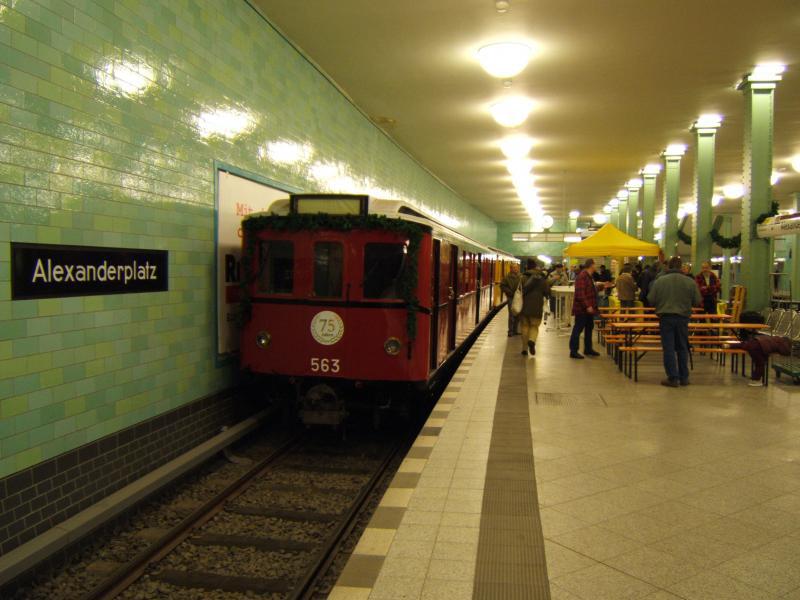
x=236 y=198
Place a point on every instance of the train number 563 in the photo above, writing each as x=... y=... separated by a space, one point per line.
x=325 y=365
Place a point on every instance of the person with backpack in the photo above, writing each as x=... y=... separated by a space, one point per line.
x=508 y=286
x=535 y=289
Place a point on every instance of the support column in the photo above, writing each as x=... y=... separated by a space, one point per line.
x=613 y=218
x=623 y=210
x=672 y=188
x=725 y=230
x=649 y=175
x=759 y=93
x=705 y=129
x=633 y=187
x=795 y=277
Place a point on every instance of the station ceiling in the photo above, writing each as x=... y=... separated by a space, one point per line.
x=614 y=82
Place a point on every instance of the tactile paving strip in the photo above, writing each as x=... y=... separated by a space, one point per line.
x=511 y=562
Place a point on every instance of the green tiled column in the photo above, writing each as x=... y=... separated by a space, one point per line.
x=705 y=129
x=633 y=187
x=649 y=176
x=725 y=230
x=672 y=188
x=796 y=255
x=614 y=217
x=623 y=213
x=759 y=92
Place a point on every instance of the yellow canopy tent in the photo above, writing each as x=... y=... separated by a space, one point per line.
x=610 y=241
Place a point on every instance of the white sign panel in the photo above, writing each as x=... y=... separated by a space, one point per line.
x=236 y=198
x=785 y=225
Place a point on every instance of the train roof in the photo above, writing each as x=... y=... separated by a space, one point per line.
x=397 y=209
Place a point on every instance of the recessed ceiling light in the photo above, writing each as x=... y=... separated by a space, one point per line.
x=511 y=111
x=504 y=59
x=651 y=169
x=733 y=191
x=708 y=121
x=516 y=146
x=634 y=183
x=675 y=150
x=767 y=71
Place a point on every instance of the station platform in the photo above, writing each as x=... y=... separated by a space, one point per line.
x=545 y=477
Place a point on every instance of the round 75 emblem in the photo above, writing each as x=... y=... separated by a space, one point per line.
x=327 y=327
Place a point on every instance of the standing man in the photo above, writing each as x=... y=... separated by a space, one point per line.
x=508 y=286
x=673 y=294
x=645 y=280
x=584 y=307
x=709 y=286
x=534 y=290
x=557 y=277
x=626 y=287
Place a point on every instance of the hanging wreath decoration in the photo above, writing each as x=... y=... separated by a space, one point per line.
x=409 y=276
x=772 y=213
x=728 y=243
x=684 y=237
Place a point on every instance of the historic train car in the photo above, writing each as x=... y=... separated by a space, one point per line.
x=352 y=301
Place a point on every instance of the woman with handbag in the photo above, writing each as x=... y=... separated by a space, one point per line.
x=535 y=289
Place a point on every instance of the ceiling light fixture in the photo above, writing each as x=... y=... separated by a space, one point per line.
x=516 y=146
x=675 y=150
x=775 y=177
x=519 y=166
x=547 y=221
x=716 y=200
x=708 y=121
x=574 y=214
x=504 y=59
x=614 y=202
x=767 y=72
x=607 y=209
x=600 y=218
x=733 y=191
x=634 y=184
x=502 y=6
x=511 y=111
x=651 y=169
x=796 y=162
x=623 y=194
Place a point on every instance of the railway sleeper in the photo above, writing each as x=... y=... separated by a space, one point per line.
x=227 y=583
x=288 y=515
x=250 y=541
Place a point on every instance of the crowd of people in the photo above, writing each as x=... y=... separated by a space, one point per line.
x=670 y=287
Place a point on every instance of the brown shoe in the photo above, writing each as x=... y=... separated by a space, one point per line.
x=670 y=382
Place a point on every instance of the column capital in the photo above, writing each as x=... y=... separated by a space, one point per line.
x=634 y=185
x=650 y=171
x=707 y=124
x=674 y=152
x=765 y=76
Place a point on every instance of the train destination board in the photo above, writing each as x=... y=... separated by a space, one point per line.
x=54 y=271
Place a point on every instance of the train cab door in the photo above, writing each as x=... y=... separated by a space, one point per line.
x=444 y=301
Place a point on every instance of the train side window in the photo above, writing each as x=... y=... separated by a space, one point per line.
x=383 y=266
x=276 y=267
x=328 y=259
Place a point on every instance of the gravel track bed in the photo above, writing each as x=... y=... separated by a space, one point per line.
x=268 y=527
x=71 y=576
x=147 y=589
x=321 y=480
x=261 y=495
x=243 y=562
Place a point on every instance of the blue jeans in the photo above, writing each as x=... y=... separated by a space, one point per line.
x=674 y=331
x=583 y=324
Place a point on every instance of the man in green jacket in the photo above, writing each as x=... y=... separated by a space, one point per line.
x=673 y=294
x=508 y=286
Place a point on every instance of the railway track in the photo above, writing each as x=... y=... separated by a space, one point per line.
x=273 y=532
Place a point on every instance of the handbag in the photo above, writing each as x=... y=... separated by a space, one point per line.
x=516 y=301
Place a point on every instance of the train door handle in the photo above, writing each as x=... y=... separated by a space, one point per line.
x=451 y=293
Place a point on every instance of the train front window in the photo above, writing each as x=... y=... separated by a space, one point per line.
x=328 y=257
x=383 y=266
x=276 y=267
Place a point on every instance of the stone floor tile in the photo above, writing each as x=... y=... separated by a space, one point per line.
x=449 y=589
x=562 y=560
x=601 y=582
x=397 y=588
x=653 y=566
x=596 y=542
x=375 y=541
x=709 y=585
x=458 y=570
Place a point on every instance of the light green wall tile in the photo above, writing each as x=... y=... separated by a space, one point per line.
x=86 y=165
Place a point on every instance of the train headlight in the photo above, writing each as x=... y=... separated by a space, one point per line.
x=392 y=346
x=263 y=339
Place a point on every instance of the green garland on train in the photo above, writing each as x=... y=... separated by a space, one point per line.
x=409 y=277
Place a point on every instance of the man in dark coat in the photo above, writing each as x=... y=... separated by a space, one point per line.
x=534 y=289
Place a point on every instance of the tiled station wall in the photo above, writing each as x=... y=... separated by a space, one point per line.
x=106 y=140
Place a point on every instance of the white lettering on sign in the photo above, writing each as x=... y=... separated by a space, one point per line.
x=47 y=272
x=325 y=365
x=327 y=327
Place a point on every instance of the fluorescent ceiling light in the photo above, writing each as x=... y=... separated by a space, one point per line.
x=574 y=214
x=733 y=191
x=708 y=121
x=571 y=239
x=511 y=111
x=516 y=146
x=775 y=177
x=651 y=169
x=519 y=166
x=767 y=71
x=600 y=218
x=716 y=200
x=675 y=150
x=504 y=59
x=796 y=162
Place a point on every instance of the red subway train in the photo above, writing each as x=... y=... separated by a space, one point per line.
x=354 y=302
